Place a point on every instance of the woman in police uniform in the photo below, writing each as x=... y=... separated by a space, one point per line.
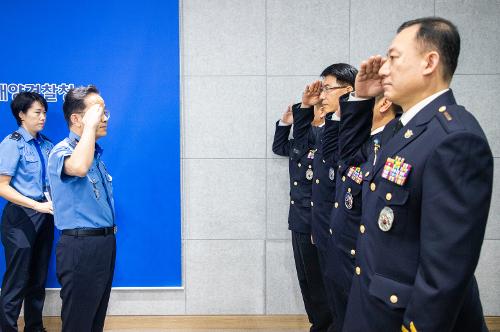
x=27 y=221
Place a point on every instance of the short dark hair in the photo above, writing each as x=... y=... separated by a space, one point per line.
x=74 y=101
x=441 y=34
x=344 y=73
x=396 y=109
x=23 y=101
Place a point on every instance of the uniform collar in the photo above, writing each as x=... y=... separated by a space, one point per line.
x=25 y=134
x=377 y=130
x=74 y=138
x=408 y=115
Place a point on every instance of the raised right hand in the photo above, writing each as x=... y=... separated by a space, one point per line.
x=368 y=82
x=310 y=96
x=287 y=117
x=45 y=207
x=93 y=116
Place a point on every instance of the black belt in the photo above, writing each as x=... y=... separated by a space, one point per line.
x=90 y=231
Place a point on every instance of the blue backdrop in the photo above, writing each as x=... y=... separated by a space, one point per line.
x=130 y=51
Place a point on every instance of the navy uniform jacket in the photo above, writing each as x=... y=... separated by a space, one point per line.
x=300 y=150
x=344 y=220
x=323 y=187
x=421 y=233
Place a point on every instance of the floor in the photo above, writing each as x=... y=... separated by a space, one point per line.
x=279 y=323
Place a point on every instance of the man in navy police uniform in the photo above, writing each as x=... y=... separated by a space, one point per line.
x=346 y=216
x=338 y=79
x=426 y=198
x=84 y=212
x=301 y=151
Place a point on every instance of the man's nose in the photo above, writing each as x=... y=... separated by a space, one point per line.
x=384 y=70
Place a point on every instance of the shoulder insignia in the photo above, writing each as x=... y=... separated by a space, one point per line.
x=449 y=117
x=15 y=136
x=45 y=138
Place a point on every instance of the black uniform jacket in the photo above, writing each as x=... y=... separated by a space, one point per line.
x=300 y=150
x=425 y=205
x=323 y=187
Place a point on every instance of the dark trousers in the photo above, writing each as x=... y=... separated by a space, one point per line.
x=85 y=267
x=330 y=291
x=27 y=238
x=311 y=282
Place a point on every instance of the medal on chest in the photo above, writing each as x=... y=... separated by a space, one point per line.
x=331 y=173
x=396 y=170
x=386 y=219
x=355 y=174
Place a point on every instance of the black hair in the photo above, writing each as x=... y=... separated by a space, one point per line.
x=74 y=101
x=344 y=73
x=23 y=101
x=396 y=109
x=441 y=34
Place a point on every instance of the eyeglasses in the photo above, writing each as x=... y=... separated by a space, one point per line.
x=328 y=89
x=106 y=114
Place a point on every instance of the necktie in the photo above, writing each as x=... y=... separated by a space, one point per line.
x=397 y=127
x=38 y=143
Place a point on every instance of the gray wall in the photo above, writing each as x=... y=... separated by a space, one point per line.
x=243 y=62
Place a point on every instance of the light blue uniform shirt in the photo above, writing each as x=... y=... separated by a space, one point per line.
x=24 y=158
x=85 y=202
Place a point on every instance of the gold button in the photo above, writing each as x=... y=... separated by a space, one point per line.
x=373 y=186
x=340 y=166
x=317 y=180
x=367 y=173
x=362 y=229
x=295 y=183
x=336 y=204
x=312 y=204
x=331 y=231
x=299 y=164
x=393 y=299
x=324 y=161
x=348 y=190
x=358 y=270
x=310 y=166
x=343 y=179
x=353 y=252
x=388 y=196
x=442 y=109
x=292 y=202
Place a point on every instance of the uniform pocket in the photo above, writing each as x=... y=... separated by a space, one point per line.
x=350 y=200
x=94 y=180
x=31 y=162
x=394 y=294
x=392 y=207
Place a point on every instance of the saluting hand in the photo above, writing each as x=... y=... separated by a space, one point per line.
x=368 y=82
x=287 y=117
x=45 y=207
x=310 y=96
x=93 y=116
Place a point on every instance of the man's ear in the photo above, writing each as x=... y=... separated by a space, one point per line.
x=386 y=104
x=74 y=120
x=350 y=89
x=431 y=62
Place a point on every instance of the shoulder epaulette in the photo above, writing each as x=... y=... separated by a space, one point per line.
x=450 y=119
x=45 y=138
x=15 y=136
